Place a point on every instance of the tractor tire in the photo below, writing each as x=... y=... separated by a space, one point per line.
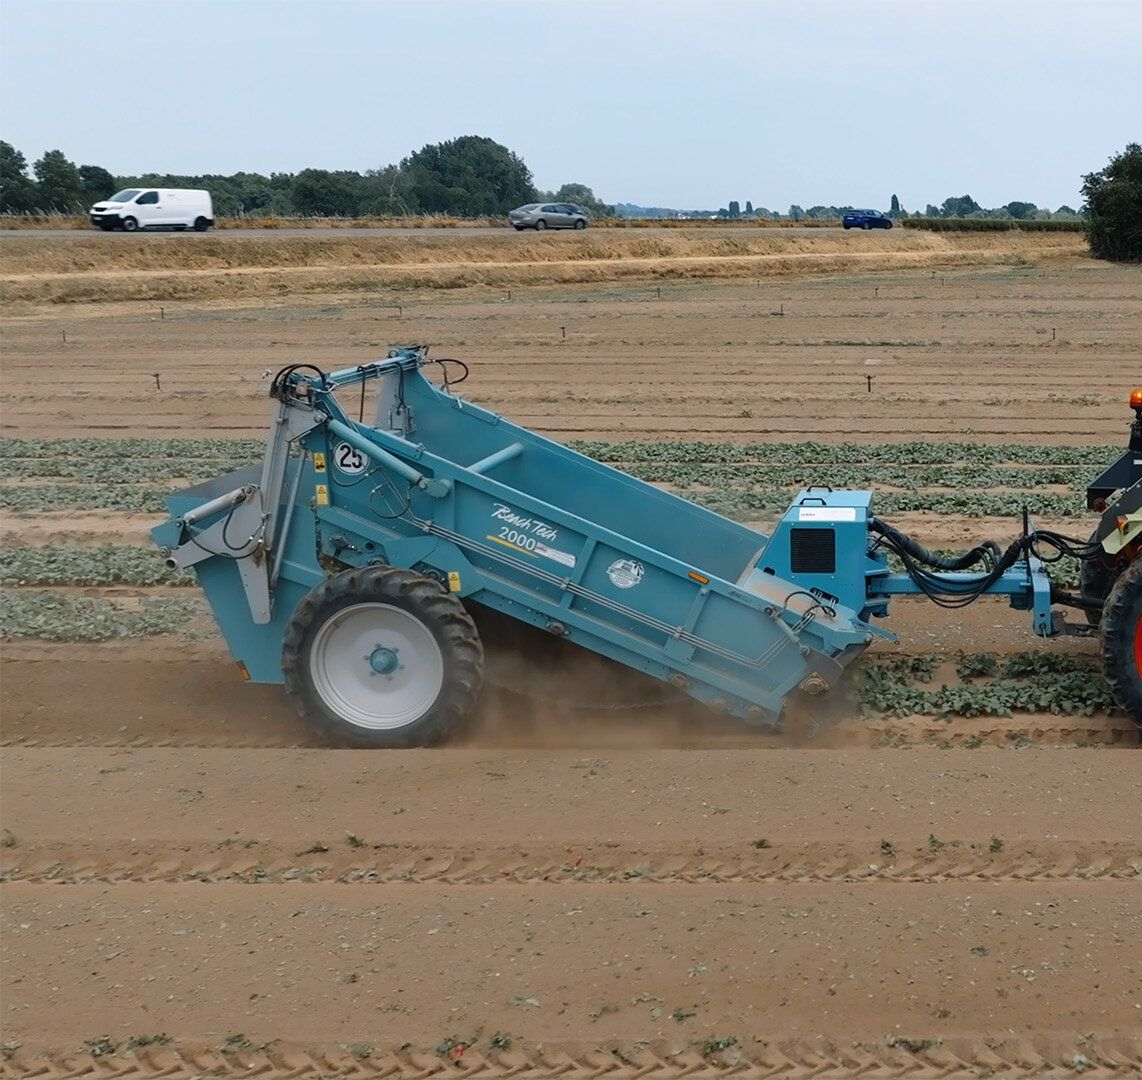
x=1096 y=579
x=382 y=658
x=1122 y=641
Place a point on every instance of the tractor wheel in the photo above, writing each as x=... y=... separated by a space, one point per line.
x=1122 y=641
x=383 y=658
x=1096 y=578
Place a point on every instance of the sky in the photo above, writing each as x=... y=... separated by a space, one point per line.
x=656 y=102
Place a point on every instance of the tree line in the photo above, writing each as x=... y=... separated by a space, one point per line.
x=467 y=177
x=473 y=177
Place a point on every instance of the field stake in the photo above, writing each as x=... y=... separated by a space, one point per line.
x=64 y=333
x=659 y=292
x=158 y=380
x=162 y=313
x=1052 y=333
x=876 y=291
x=869 y=378
x=564 y=329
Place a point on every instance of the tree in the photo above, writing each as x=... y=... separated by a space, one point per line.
x=796 y=213
x=959 y=207
x=59 y=188
x=97 y=183
x=1021 y=211
x=748 y=207
x=1113 y=207
x=894 y=210
x=734 y=209
x=583 y=196
x=320 y=193
x=470 y=176
x=17 y=192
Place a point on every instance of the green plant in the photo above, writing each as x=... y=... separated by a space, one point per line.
x=1114 y=207
x=35 y=613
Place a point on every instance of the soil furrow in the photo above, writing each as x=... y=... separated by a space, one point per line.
x=875 y=1058
x=525 y=864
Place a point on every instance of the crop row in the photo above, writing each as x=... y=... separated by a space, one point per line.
x=799 y=453
x=745 y=504
x=742 y=503
x=52 y=616
x=108 y=564
x=681 y=473
x=1028 y=682
x=122 y=564
x=234 y=452
x=955 y=477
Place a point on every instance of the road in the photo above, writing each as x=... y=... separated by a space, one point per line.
x=465 y=230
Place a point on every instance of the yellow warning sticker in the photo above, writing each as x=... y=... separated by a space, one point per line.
x=318 y=461
x=321 y=495
x=453 y=580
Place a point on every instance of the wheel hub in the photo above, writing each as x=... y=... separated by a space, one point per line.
x=383 y=661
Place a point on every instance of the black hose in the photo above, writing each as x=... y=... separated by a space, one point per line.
x=279 y=381
x=988 y=552
x=957 y=594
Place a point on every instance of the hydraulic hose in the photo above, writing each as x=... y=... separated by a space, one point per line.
x=923 y=567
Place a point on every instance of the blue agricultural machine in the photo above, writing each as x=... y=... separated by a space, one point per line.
x=355 y=563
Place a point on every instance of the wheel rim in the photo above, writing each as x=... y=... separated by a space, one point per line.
x=376 y=666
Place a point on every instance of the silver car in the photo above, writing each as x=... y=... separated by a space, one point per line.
x=548 y=216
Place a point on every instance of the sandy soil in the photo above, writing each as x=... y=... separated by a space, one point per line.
x=994 y=354
x=193 y=887
x=637 y=902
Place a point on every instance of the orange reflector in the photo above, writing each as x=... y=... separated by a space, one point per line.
x=1136 y=399
x=244 y=671
x=699 y=577
x=1121 y=524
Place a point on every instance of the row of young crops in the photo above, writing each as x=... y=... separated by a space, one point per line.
x=84 y=592
x=133 y=475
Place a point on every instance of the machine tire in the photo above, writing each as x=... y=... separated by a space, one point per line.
x=201 y=224
x=580 y=223
x=1096 y=579
x=404 y=606
x=540 y=225
x=866 y=226
x=129 y=224
x=1122 y=641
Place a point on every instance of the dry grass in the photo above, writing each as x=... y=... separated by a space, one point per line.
x=63 y=269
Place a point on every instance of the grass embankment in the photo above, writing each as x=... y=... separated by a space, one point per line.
x=40 y=270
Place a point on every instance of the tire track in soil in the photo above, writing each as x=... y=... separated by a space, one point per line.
x=523 y=864
x=977 y=1056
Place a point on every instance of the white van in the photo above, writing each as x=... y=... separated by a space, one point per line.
x=155 y=208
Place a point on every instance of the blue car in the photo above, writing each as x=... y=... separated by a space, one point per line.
x=866 y=219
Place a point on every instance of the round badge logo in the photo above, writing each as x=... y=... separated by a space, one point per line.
x=625 y=573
